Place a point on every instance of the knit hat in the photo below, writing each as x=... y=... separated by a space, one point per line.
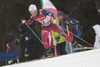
x=32 y=7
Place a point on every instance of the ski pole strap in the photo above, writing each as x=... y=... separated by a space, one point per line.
x=33 y=32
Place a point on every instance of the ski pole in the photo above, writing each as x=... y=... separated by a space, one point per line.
x=75 y=35
x=32 y=31
x=54 y=42
x=79 y=37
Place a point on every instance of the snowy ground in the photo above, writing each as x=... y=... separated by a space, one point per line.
x=89 y=58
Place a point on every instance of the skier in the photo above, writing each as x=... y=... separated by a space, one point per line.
x=64 y=22
x=46 y=19
x=11 y=43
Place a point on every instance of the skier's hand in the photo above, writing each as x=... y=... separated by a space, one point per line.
x=23 y=21
x=46 y=46
x=69 y=38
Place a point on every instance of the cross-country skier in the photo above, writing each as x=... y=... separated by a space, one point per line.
x=11 y=43
x=64 y=22
x=46 y=18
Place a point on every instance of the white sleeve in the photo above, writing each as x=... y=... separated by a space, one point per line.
x=97 y=42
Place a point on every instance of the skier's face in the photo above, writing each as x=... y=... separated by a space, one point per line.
x=33 y=13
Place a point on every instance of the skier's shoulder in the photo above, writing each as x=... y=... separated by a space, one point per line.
x=45 y=12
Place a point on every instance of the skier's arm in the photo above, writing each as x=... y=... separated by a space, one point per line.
x=30 y=21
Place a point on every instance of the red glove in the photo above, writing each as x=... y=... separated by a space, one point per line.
x=70 y=39
x=46 y=46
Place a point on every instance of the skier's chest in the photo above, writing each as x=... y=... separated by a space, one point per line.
x=40 y=17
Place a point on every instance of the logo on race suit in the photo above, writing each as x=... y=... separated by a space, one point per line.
x=39 y=19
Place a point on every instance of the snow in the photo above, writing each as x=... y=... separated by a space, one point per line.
x=89 y=58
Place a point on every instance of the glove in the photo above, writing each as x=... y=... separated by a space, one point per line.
x=46 y=46
x=70 y=39
x=23 y=21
